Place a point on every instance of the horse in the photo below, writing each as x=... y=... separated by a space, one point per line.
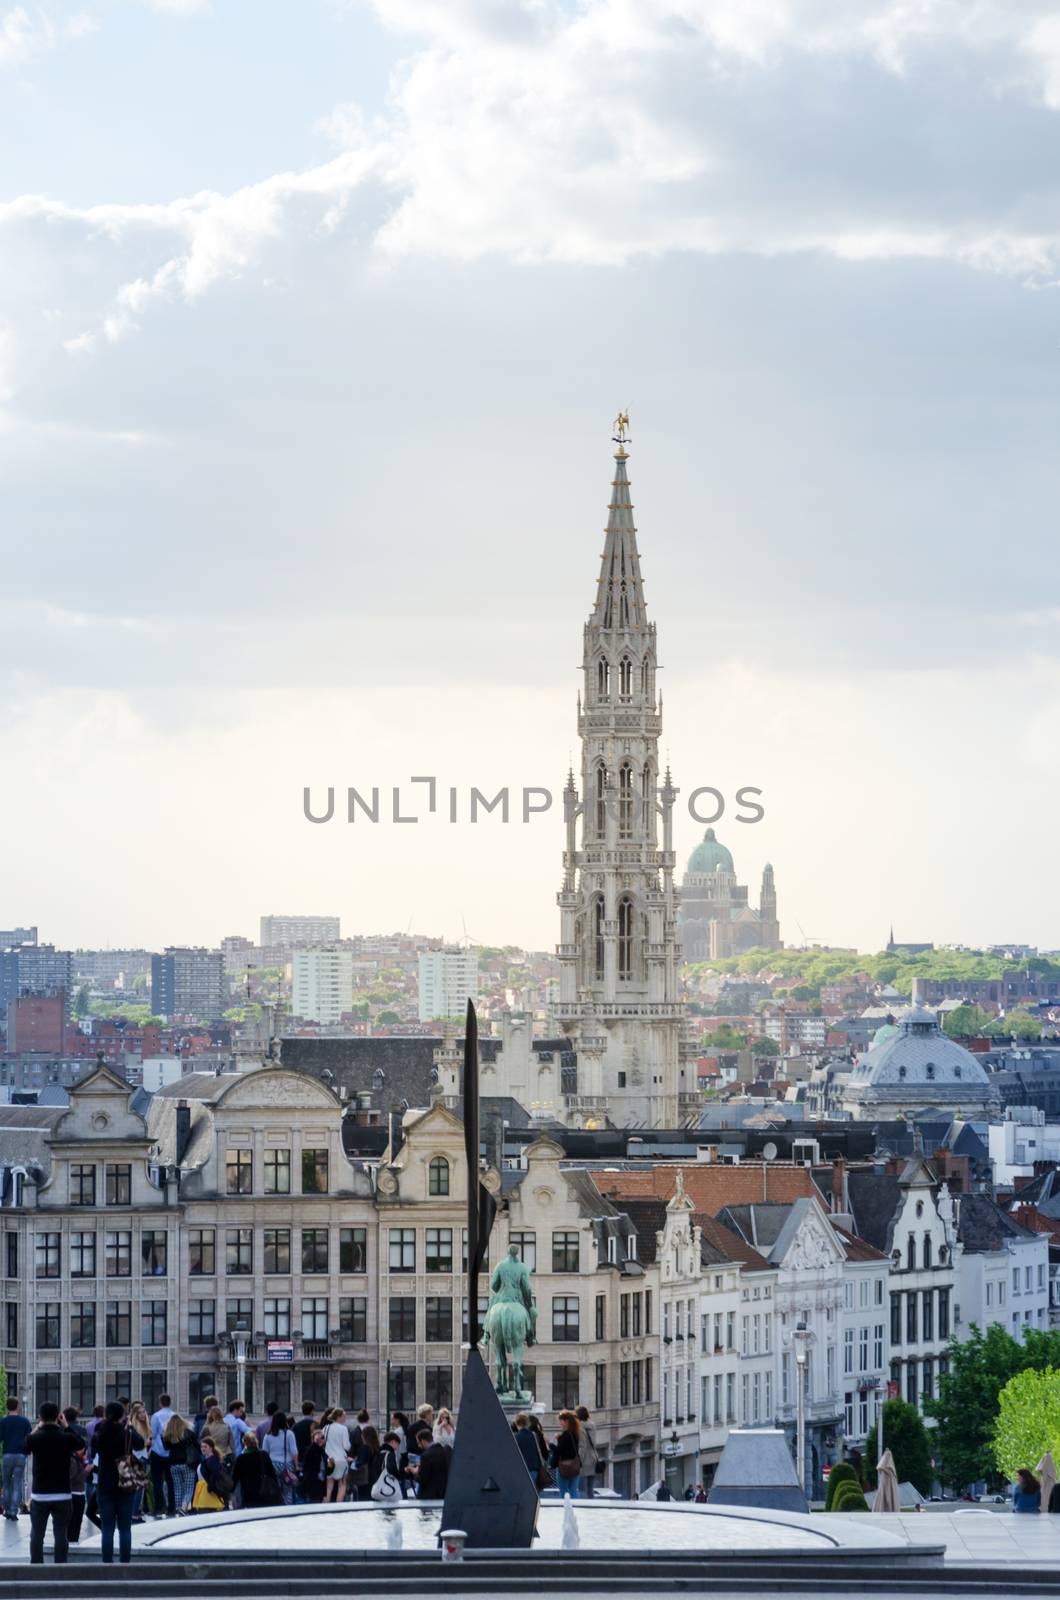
x=508 y=1326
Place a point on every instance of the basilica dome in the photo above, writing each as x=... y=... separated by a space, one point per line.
x=914 y=1065
x=710 y=855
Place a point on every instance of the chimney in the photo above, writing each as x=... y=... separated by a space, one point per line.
x=839 y=1185
x=183 y=1130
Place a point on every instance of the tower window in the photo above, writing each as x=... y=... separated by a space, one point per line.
x=601 y=801
x=625 y=937
x=603 y=679
x=625 y=678
x=647 y=793
x=598 y=937
x=625 y=801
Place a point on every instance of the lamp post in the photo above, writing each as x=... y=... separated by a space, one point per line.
x=240 y=1340
x=801 y=1341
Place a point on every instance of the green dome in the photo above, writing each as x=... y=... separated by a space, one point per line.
x=710 y=855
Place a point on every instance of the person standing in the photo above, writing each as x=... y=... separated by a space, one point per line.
x=282 y=1451
x=588 y=1455
x=444 y=1432
x=112 y=1440
x=14 y=1431
x=530 y=1450
x=254 y=1475
x=565 y=1457
x=209 y=1478
x=183 y=1447
x=78 y=1474
x=305 y=1427
x=314 y=1470
x=161 y=1471
x=337 y=1446
x=266 y=1422
x=432 y=1467
x=236 y=1418
x=220 y=1435
x=50 y=1448
x=1028 y=1492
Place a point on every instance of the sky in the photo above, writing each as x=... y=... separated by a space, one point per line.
x=313 y=320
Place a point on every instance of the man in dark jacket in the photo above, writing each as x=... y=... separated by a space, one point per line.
x=14 y=1431
x=51 y=1449
x=432 y=1469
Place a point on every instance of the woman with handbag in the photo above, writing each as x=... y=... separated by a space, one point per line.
x=140 y=1423
x=279 y=1446
x=565 y=1456
x=389 y=1486
x=254 y=1475
x=369 y=1463
x=119 y=1474
x=209 y=1495
x=530 y=1450
x=337 y=1447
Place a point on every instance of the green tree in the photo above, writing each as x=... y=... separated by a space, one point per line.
x=966 y=1407
x=1028 y=1420
x=81 y=1006
x=966 y=1022
x=724 y=1038
x=905 y=1436
x=387 y=1018
x=765 y=1047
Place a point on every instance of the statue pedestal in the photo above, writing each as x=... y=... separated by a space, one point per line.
x=512 y=1405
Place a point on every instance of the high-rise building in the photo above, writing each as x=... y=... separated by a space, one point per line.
x=448 y=980
x=36 y=1023
x=618 y=943
x=322 y=984
x=35 y=969
x=292 y=933
x=188 y=981
x=13 y=936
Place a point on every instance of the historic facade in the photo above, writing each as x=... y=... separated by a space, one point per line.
x=618 y=948
x=716 y=919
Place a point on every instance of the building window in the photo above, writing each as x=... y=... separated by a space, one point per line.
x=623 y=1316
x=278 y=1388
x=910 y=1318
x=525 y=1241
x=565 y=1394
x=927 y=1249
x=153 y=1253
x=566 y=1315
x=201 y=1252
x=119 y=1325
x=239 y=1172
x=48 y=1321
x=848 y=1351
x=402 y=1319
x=239 y=1252
x=438 y=1176
x=625 y=937
x=600 y=1386
x=202 y=1327
x=625 y=801
x=153 y=1322
x=438 y=1384
x=863 y=1349
x=315 y=1318
x=598 y=936
x=927 y=1320
x=277 y=1172
x=401 y=1389
x=10 y=1255
x=601 y=801
x=118 y=1385
x=119 y=1255
x=277 y=1246
x=314 y=1172
x=83 y=1325
x=638 y=1323
x=353 y=1389
x=877 y=1347
x=83 y=1391
x=439 y=1319
x=48 y=1255
x=119 y=1184
x=623 y=1383
x=48 y=1389
x=1015 y=1280
x=647 y=1311
x=353 y=1319
x=929 y=1380
x=601 y=1302
x=277 y=1318
x=353 y=1254
x=82 y=1185
x=236 y=1312
x=638 y=1368
x=896 y=1319
x=314 y=1249
x=402 y=1249
x=944 y=1313
x=910 y=1383
x=565 y=1252
x=82 y=1255
x=152 y=1386
x=438 y=1250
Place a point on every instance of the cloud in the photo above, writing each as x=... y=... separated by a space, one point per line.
x=26 y=34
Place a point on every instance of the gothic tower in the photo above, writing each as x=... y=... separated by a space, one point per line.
x=767 y=910
x=618 y=951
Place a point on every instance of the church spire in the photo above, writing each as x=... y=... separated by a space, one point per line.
x=620 y=591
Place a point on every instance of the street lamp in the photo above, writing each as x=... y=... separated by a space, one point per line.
x=240 y=1340
x=801 y=1342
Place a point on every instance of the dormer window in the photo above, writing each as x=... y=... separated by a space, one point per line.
x=438 y=1176
x=612 y=1249
x=930 y=1069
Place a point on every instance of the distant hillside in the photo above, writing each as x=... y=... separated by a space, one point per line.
x=809 y=969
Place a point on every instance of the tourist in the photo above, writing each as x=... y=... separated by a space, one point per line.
x=432 y=1468
x=444 y=1432
x=399 y=1424
x=210 y=1483
x=199 y=1421
x=50 y=1448
x=701 y=1495
x=236 y=1418
x=663 y=1491
x=14 y=1431
x=161 y=1472
x=337 y=1445
x=305 y=1427
x=254 y=1475
x=1027 y=1496
x=98 y=1413
x=78 y=1474
x=369 y=1463
x=395 y=1462
x=314 y=1469
x=564 y=1455
x=112 y=1440
x=220 y=1435
x=282 y=1450
x=140 y=1447
x=179 y=1439
x=530 y=1450
x=588 y=1455
x=424 y=1414
x=266 y=1422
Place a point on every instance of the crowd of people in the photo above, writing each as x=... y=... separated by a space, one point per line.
x=120 y=1464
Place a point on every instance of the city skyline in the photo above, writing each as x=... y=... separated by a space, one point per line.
x=304 y=403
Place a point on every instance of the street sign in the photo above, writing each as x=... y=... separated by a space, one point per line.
x=279 y=1350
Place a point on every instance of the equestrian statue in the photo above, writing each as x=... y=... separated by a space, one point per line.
x=510 y=1324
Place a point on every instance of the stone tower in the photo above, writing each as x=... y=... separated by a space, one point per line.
x=767 y=910
x=618 y=951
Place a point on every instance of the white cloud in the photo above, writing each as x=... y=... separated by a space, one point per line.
x=23 y=36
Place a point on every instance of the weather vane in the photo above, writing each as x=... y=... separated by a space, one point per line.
x=621 y=433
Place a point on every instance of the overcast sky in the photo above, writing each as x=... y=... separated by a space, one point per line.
x=314 y=315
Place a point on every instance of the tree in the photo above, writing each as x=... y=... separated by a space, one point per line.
x=966 y=1022
x=724 y=1038
x=842 y=1472
x=905 y=1436
x=849 y=1497
x=81 y=1007
x=765 y=1047
x=387 y=1018
x=1028 y=1420
x=966 y=1407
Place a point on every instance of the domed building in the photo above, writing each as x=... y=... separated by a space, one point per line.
x=715 y=919
x=913 y=1067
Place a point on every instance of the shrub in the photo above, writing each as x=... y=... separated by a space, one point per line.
x=849 y=1497
x=841 y=1473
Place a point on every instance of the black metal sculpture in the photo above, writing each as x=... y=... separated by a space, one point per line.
x=489 y=1494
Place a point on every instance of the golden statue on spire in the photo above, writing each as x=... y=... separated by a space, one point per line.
x=621 y=433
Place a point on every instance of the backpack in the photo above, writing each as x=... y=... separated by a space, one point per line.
x=225 y=1482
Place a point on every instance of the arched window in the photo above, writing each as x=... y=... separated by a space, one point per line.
x=625 y=937
x=598 y=936
x=603 y=679
x=438 y=1176
x=927 y=1249
x=647 y=797
x=645 y=676
x=910 y=1254
x=601 y=801
x=901 y=1072
x=931 y=1069
x=625 y=679
x=625 y=801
